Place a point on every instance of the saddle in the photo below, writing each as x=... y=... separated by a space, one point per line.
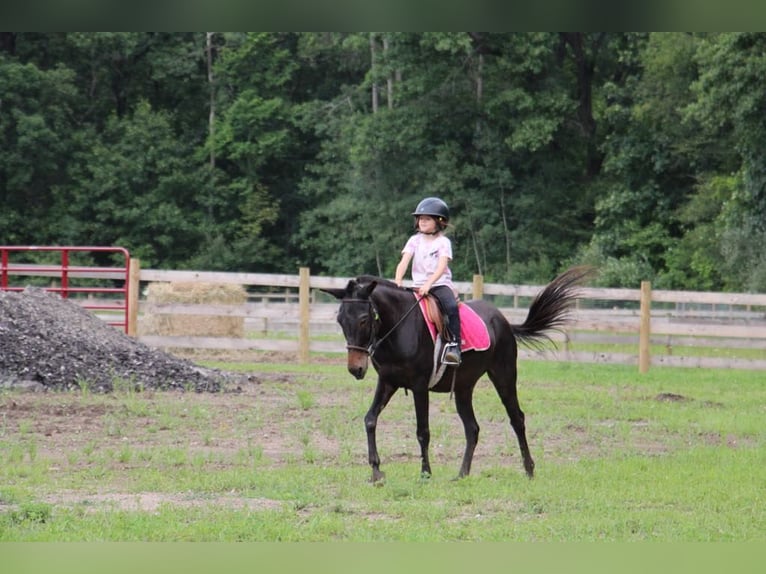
x=473 y=330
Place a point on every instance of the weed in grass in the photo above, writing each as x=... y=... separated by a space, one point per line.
x=32 y=449
x=26 y=427
x=174 y=457
x=199 y=413
x=122 y=386
x=252 y=455
x=145 y=455
x=13 y=454
x=90 y=448
x=310 y=455
x=199 y=460
x=305 y=399
x=125 y=454
x=30 y=512
x=134 y=404
x=85 y=386
x=291 y=458
x=166 y=421
x=113 y=427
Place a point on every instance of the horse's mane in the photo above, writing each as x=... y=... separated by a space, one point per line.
x=366 y=279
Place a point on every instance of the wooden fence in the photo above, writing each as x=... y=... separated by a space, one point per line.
x=638 y=318
x=287 y=313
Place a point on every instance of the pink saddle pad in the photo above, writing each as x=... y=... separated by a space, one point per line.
x=473 y=330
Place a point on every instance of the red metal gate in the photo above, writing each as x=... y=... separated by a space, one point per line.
x=64 y=272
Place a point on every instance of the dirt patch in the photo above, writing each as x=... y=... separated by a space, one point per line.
x=154 y=501
x=98 y=447
x=151 y=502
x=671 y=398
x=122 y=433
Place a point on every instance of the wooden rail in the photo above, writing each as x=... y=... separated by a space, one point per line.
x=287 y=313
x=668 y=318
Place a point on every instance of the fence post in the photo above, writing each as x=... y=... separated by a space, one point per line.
x=303 y=302
x=134 y=278
x=645 y=328
x=478 y=287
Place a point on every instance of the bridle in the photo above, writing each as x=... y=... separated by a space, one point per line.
x=369 y=348
x=374 y=343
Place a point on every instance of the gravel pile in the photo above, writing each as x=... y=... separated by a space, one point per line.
x=50 y=343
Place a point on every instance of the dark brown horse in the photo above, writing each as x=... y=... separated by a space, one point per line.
x=381 y=324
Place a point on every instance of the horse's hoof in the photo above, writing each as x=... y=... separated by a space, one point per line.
x=378 y=478
x=425 y=475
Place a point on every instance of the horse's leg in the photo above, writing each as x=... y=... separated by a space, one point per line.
x=423 y=430
x=464 y=405
x=505 y=385
x=383 y=394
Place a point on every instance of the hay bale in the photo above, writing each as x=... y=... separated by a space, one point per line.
x=154 y=322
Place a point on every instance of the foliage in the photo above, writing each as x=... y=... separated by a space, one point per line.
x=36 y=125
x=132 y=187
x=638 y=152
x=730 y=100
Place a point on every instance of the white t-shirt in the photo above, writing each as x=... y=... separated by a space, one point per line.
x=426 y=251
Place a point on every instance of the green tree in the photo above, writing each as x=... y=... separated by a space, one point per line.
x=638 y=152
x=36 y=139
x=257 y=148
x=729 y=106
x=652 y=156
x=136 y=187
x=494 y=123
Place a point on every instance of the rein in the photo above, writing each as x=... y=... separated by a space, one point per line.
x=374 y=343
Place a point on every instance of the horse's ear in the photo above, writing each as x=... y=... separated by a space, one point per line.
x=369 y=288
x=337 y=293
x=340 y=293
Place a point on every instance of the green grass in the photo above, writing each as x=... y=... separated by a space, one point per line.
x=659 y=350
x=672 y=455
x=656 y=349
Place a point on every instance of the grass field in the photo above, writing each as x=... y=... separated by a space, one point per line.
x=672 y=455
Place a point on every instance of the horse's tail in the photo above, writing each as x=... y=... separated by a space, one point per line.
x=551 y=308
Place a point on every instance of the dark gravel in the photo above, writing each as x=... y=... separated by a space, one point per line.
x=50 y=343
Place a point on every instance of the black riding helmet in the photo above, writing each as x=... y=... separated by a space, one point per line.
x=434 y=207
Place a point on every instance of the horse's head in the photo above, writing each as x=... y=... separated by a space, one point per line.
x=359 y=320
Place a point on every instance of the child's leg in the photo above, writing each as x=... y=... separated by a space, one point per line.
x=449 y=305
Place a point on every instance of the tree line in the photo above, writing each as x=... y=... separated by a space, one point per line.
x=640 y=153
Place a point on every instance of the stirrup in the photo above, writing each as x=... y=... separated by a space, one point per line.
x=451 y=355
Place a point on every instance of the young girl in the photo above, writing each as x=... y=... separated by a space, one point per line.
x=430 y=252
